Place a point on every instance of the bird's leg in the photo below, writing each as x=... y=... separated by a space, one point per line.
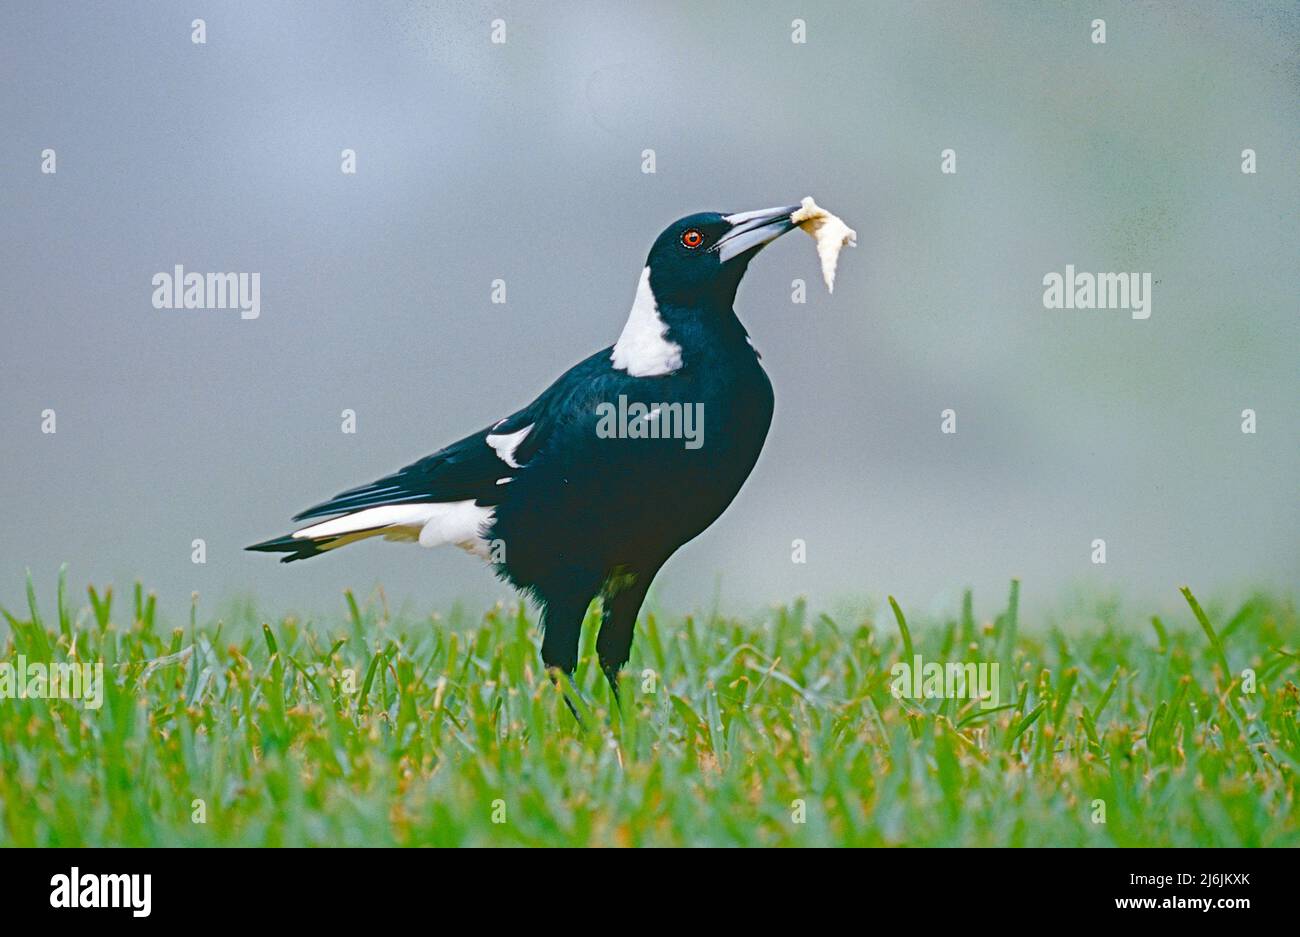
x=556 y=675
x=622 y=599
x=561 y=632
x=611 y=677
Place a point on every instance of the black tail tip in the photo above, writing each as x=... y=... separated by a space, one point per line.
x=297 y=548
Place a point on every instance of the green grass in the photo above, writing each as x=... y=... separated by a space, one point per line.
x=363 y=730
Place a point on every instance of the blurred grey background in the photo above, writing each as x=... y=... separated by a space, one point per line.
x=522 y=162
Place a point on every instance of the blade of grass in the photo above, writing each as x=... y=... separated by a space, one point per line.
x=908 y=655
x=1209 y=632
x=1025 y=723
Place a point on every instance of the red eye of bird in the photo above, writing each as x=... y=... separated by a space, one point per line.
x=692 y=238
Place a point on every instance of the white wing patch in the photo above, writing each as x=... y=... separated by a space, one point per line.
x=461 y=523
x=507 y=444
x=643 y=349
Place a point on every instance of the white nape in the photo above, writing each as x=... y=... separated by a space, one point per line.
x=461 y=523
x=506 y=444
x=643 y=349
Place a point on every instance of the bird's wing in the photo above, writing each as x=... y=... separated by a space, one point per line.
x=471 y=469
x=476 y=468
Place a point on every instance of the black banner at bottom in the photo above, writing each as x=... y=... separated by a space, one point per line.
x=138 y=888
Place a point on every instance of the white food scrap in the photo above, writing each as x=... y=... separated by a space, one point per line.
x=830 y=233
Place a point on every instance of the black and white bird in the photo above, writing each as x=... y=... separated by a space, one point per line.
x=565 y=509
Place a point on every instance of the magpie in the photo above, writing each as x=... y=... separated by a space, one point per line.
x=563 y=508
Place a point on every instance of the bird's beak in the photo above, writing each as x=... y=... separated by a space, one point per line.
x=750 y=230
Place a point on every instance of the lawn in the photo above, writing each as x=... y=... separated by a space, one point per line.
x=370 y=730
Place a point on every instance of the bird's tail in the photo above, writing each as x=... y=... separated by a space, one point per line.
x=298 y=548
x=428 y=523
x=304 y=548
x=391 y=522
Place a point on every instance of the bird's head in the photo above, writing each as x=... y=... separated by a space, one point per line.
x=700 y=259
